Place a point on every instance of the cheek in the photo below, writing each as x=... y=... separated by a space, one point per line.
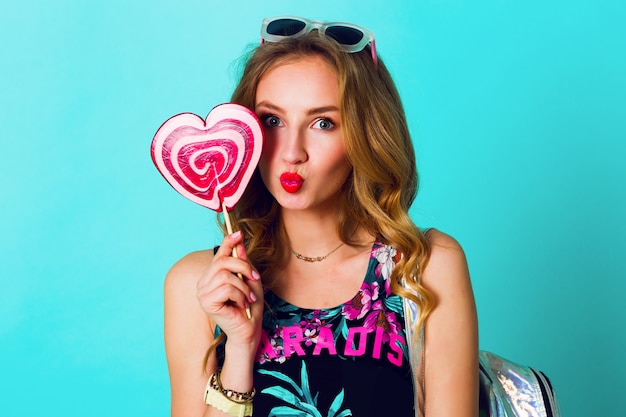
x=338 y=159
x=265 y=161
x=345 y=171
x=339 y=168
x=267 y=154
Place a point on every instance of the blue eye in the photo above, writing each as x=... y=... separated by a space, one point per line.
x=271 y=121
x=324 y=124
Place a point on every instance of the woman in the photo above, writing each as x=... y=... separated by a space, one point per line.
x=326 y=250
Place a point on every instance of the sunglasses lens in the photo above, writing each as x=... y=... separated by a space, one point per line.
x=345 y=35
x=285 y=27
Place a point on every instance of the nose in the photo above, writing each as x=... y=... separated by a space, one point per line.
x=293 y=150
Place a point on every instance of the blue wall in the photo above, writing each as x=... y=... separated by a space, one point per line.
x=517 y=110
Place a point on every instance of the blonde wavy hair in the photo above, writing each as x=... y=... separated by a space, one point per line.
x=383 y=182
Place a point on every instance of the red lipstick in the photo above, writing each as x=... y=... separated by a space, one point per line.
x=291 y=182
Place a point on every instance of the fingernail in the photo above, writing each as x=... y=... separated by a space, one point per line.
x=256 y=275
x=252 y=297
x=236 y=235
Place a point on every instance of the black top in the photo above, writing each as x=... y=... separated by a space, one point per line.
x=350 y=360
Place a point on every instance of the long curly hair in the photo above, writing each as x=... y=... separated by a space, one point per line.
x=383 y=182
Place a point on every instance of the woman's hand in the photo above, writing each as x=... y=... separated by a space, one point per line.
x=224 y=296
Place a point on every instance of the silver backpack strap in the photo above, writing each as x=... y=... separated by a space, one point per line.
x=415 y=345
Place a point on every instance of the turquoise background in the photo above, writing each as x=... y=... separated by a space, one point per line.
x=518 y=114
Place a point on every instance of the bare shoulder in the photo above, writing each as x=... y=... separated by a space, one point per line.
x=440 y=240
x=185 y=272
x=447 y=264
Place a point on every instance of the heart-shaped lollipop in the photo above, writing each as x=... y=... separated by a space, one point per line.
x=209 y=162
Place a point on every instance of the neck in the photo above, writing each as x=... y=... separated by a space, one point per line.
x=312 y=234
x=316 y=234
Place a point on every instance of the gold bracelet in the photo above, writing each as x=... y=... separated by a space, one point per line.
x=236 y=404
x=238 y=397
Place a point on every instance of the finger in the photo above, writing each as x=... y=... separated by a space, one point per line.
x=234 y=265
x=256 y=288
x=228 y=244
x=225 y=277
x=239 y=251
x=229 y=294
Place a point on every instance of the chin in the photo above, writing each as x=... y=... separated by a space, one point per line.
x=288 y=202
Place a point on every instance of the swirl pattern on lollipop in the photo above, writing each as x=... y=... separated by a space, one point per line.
x=209 y=162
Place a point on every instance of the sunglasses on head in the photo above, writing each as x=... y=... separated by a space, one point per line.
x=351 y=37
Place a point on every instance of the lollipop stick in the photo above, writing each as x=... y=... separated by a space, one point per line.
x=229 y=228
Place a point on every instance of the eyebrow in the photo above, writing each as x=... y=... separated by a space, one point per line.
x=315 y=110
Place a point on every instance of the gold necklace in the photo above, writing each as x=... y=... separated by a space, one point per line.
x=315 y=258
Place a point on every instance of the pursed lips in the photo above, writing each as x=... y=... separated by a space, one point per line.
x=291 y=182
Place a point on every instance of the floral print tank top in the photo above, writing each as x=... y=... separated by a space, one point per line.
x=350 y=360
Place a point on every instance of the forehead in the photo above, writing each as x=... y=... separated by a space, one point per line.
x=308 y=78
x=313 y=60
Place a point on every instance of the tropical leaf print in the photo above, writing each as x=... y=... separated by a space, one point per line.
x=300 y=402
x=287 y=412
x=394 y=303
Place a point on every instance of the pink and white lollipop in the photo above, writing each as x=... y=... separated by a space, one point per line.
x=209 y=162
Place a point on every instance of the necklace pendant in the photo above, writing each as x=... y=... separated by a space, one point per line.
x=314 y=258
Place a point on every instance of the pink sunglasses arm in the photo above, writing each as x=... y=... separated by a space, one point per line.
x=373 y=50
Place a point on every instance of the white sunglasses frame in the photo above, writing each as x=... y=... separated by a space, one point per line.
x=309 y=25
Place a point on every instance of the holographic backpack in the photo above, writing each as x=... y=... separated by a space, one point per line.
x=507 y=389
